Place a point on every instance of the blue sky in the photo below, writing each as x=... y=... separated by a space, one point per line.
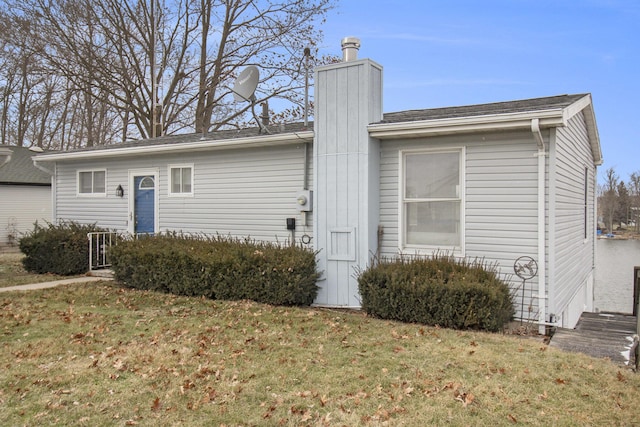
x=459 y=52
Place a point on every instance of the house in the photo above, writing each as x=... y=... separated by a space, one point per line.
x=495 y=181
x=25 y=192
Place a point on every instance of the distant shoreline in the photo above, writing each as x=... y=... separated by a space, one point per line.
x=619 y=236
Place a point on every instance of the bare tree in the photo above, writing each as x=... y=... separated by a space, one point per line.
x=634 y=194
x=22 y=75
x=623 y=203
x=609 y=197
x=36 y=98
x=272 y=35
x=139 y=68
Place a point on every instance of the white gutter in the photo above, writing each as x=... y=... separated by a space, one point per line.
x=491 y=122
x=6 y=153
x=41 y=167
x=542 y=268
x=202 y=145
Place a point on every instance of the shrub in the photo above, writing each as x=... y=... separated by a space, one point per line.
x=440 y=290
x=218 y=267
x=59 y=249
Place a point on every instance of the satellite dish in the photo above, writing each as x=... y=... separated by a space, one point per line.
x=246 y=84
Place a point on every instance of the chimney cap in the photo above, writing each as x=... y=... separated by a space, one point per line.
x=350 y=46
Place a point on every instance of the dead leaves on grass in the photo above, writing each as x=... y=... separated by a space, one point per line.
x=192 y=366
x=156 y=405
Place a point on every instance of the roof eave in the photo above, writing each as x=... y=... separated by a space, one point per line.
x=202 y=145
x=585 y=104
x=594 y=135
x=555 y=117
x=485 y=123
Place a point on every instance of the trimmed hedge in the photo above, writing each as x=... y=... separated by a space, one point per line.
x=217 y=268
x=443 y=291
x=59 y=249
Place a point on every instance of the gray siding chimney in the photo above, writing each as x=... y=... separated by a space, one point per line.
x=348 y=97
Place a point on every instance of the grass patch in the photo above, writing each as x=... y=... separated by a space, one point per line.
x=12 y=273
x=104 y=355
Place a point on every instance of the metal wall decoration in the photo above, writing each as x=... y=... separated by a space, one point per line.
x=525 y=268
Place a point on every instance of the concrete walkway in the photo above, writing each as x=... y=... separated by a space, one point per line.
x=53 y=284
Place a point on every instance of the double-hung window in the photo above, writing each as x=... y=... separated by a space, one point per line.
x=181 y=180
x=92 y=183
x=431 y=205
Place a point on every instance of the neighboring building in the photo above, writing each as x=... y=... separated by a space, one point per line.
x=25 y=194
x=494 y=181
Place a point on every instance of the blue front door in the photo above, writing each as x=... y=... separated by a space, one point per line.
x=144 y=204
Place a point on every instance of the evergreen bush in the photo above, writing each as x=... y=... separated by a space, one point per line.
x=59 y=249
x=218 y=267
x=440 y=290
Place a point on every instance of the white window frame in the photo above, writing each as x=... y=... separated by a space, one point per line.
x=92 y=193
x=170 y=180
x=428 y=250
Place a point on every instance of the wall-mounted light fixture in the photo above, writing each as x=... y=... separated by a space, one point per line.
x=119 y=191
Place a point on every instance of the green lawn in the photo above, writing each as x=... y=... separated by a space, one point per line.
x=97 y=354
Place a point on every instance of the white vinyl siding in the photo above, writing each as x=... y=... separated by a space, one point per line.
x=108 y=211
x=500 y=198
x=571 y=254
x=240 y=193
x=500 y=193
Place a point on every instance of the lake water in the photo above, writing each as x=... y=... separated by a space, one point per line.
x=615 y=260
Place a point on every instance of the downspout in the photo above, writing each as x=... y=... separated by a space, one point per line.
x=305 y=185
x=542 y=268
x=305 y=181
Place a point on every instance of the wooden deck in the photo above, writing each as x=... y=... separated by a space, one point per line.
x=604 y=335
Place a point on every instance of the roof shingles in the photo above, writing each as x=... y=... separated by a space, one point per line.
x=520 y=106
x=509 y=107
x=20 y=169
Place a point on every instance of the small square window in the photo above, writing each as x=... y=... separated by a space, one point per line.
x=92 y=182
x=181 y=180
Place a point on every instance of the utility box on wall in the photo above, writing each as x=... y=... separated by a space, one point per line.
x=304 y=201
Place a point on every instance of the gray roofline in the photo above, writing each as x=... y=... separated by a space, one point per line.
x=512 y=115
x=550 y=111
x=190 y=142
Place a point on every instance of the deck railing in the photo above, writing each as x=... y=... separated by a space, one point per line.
x=99 y=245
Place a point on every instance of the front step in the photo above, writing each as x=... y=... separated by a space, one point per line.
x=104 y=272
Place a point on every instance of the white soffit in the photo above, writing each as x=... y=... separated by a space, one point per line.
x=203 y=145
